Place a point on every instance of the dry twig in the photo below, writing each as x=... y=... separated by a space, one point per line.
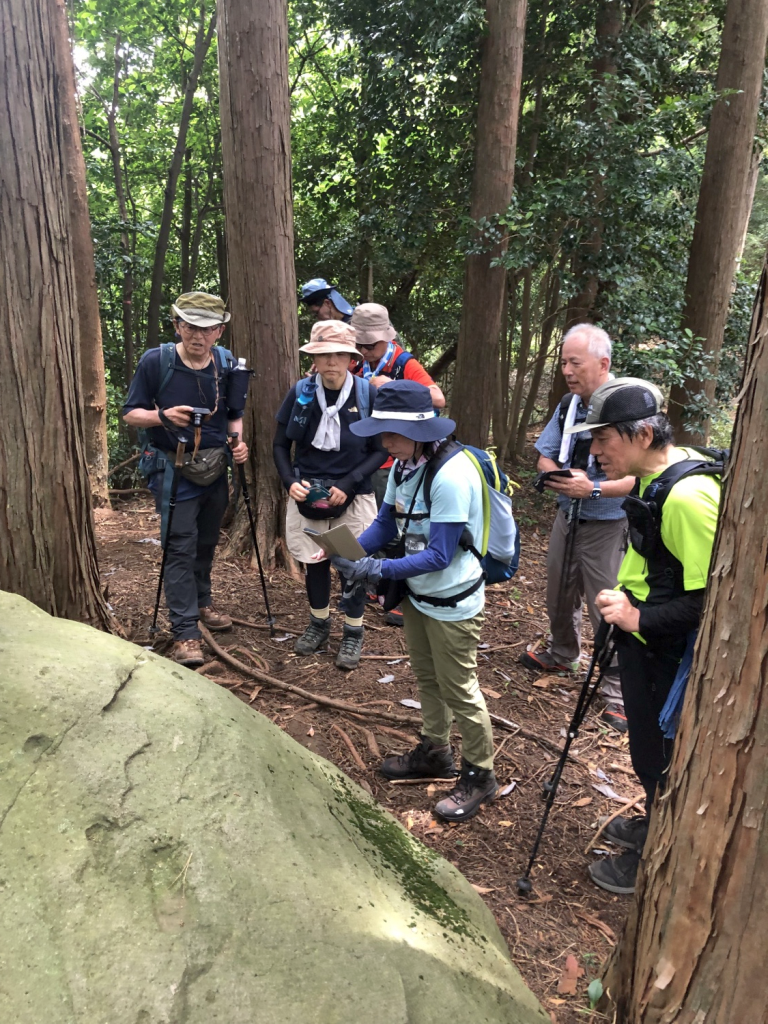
x=624 y=807
x=350 y=747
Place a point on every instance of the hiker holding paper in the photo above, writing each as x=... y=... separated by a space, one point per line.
x=441 y=583
x=326 y=470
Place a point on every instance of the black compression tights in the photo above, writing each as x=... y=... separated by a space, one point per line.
x=319 y=589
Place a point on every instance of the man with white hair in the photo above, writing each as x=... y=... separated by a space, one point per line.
x=584 y=555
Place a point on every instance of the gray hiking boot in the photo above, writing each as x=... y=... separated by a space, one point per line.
x=314 y=636
x=476 y=786
x=630 y=833
x=616 y=874
x=427 y=761
x=351 y=647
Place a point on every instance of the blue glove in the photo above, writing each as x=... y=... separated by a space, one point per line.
x=368 y=569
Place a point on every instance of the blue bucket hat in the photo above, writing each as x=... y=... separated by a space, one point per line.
x=404 y=407
x=314 y=291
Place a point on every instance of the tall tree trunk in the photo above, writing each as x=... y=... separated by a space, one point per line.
x=256 y=150
x=551 y=306
x=493 y=179
x=694 y=947
x=91 y=354
x=185 y=233
x=202 y=45
x=47 y=546
x=222 y=262
x=722 y=208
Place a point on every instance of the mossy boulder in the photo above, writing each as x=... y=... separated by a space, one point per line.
x=168 y=855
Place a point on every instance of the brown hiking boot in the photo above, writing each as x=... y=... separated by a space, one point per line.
x=216 y=621
x=188 y=652
x=476 y=786
x=426 y=761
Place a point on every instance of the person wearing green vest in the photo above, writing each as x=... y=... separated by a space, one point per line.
x=672 y=517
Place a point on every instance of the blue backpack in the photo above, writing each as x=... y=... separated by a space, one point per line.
x=499 y=548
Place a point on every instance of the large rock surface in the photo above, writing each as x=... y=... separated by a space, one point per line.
x=168 y=855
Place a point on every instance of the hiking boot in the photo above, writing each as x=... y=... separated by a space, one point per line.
x=216 y=621
x=427 y=761
x=630 y=833
x=543 y=661
x=314 y=636
x=188 y=652
x=351 y=647
x=476 y=786
x=613 y=715
x=616 y=874
x=394 y=618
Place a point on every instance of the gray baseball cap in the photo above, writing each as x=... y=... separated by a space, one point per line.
x=620 y=401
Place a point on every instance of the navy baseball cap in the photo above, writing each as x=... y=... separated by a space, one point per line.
x=404 y=407
x=317 y=290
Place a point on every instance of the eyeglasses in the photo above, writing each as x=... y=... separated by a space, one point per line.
x=364 y=348
x=194 y=328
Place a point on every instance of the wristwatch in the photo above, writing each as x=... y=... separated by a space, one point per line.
x=596 y=492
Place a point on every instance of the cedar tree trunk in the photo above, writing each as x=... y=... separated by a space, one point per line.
x=694 y=948
x=92 y=380
x=47 y=547
x=256 y=151
x=202 y=45
x=477 y=356
x=723 y=206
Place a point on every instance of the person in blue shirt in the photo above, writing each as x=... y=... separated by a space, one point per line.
x=162 y=405
x=442 y=589
x=600 y=532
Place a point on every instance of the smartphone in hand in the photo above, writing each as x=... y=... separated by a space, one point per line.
x=540 y=483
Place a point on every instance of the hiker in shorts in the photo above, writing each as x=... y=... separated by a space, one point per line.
x=596 y=538
x=384 y=360
x=317 y=453
x=661 y=582
x=170 y=381
x=442 y=586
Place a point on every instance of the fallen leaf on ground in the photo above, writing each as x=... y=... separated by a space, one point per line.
x=311 y=731
x=386 y=679
x=490 y=693
x=431 y=789
x=530 y=610
x=504 y=824
x=584 y=802
x=566 y=986
x=481 y=889
x=408 y=703
x=610 y=793
x=601 y=926
x=541 y=684
x=508 y=789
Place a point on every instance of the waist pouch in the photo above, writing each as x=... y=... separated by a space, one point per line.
x=206 y=468
x=393 y=591
x=332 y=511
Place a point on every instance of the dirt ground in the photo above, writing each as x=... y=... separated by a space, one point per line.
x=562 y=933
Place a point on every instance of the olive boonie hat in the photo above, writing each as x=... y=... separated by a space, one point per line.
x=201 y=309
x=620 y=401
x=331 y=336
x=372 y=324
x=404 y=407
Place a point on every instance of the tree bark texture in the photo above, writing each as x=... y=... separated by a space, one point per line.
x=493 y=179
x=202 y=45
x=92 y=379
x=694 y=948
x=256 y=151
x=723 y=206
x=47 y=547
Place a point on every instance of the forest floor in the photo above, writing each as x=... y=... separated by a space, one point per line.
x=562 y=933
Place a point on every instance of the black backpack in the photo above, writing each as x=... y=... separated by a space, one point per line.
x=644 y=514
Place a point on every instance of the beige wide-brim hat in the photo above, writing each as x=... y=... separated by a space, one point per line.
x=330 y=336
x=371 y=323
x=201 y=309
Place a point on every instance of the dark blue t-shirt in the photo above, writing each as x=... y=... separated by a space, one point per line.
x=204 y=389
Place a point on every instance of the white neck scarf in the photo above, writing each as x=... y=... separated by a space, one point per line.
x=328 y=435
x=568 y=439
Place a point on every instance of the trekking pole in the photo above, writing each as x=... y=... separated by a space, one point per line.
x=247 y=499
x=601 y=658
x=182 y=442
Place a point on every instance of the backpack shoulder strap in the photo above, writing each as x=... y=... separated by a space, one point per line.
x=224 y=358
x=167 y=361
x=486 y=498
x=401 y=360
x=363 y=397
x=445 y=452
x=658 y=491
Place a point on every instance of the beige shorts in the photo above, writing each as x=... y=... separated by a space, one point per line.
x=358 y=516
